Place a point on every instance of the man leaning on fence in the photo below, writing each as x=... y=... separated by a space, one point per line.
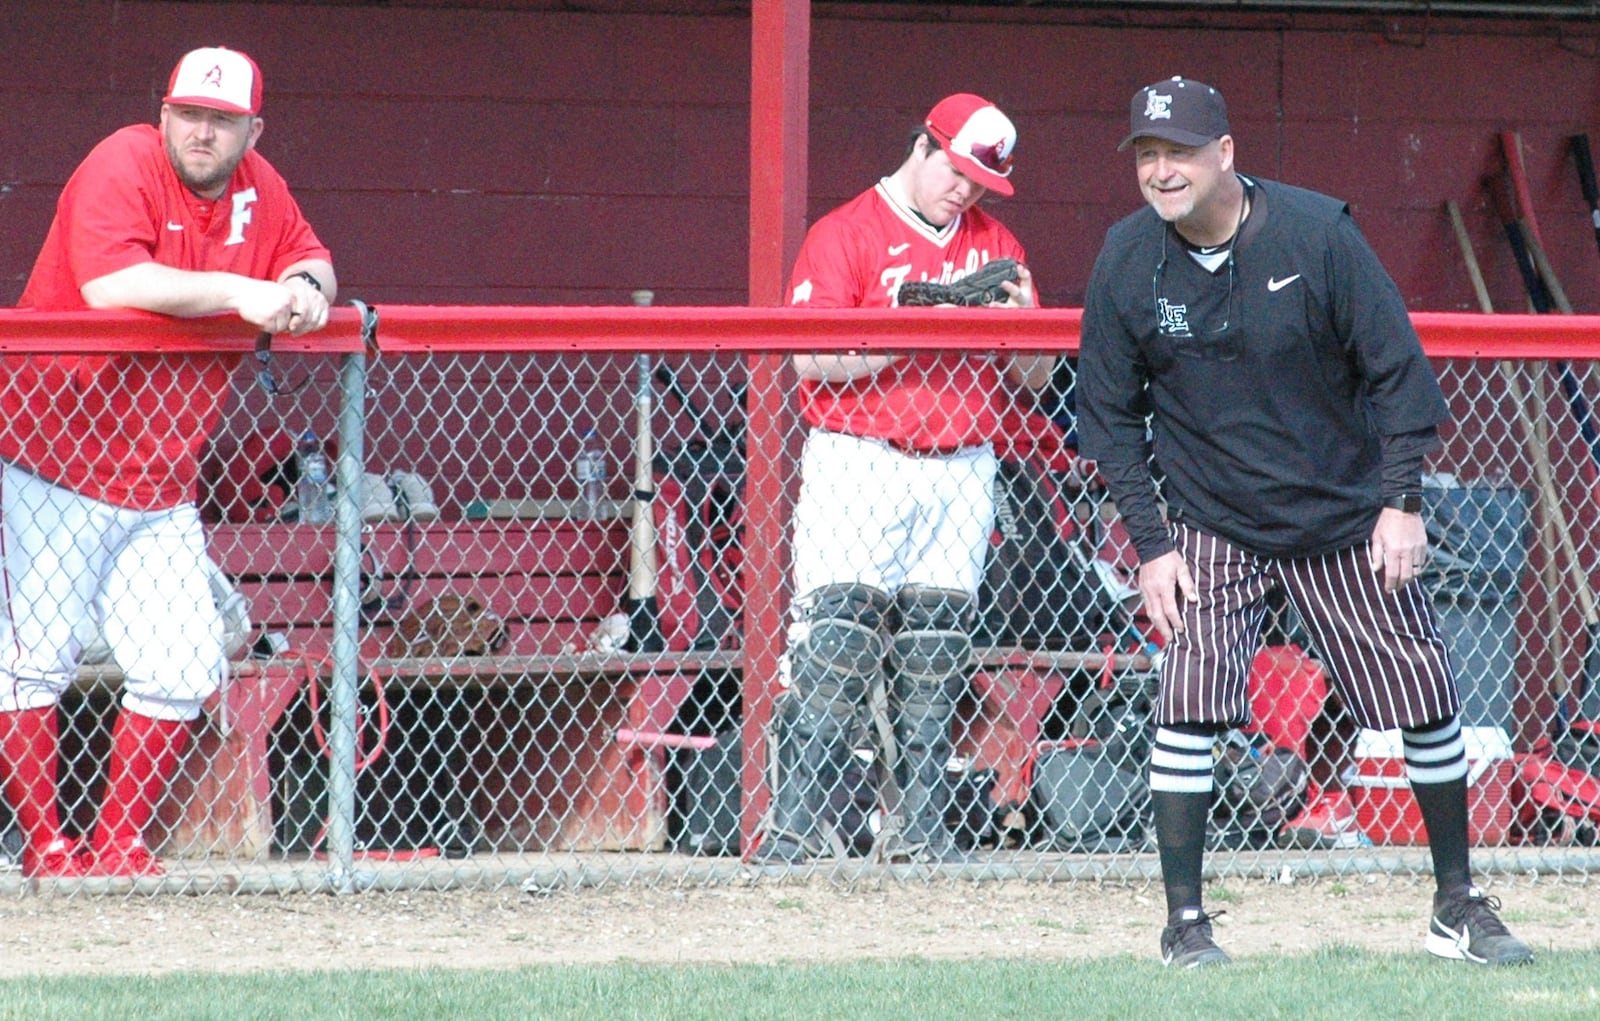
x=896 y=499
x=1251 y=328
x=101 y=452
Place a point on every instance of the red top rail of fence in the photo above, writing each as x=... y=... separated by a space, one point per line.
x=514 y=328
x=99 y=332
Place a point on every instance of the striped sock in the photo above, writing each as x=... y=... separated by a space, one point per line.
x=1436 y=763
x=1181 y=772
x=1435 y=754
x=1181 y=762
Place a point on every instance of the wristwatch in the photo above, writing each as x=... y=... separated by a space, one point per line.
x=1409 y=503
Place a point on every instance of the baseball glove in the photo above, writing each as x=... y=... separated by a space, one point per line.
x=980 y=287
x=450 y=625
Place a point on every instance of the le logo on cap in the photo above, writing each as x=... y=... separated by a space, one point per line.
x=1157 y=107
x=218 y=79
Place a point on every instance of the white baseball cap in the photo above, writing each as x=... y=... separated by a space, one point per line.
x=216 y=78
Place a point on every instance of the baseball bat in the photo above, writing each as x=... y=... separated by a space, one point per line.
x=1576 y=401
x=1521 y=194
x=1502 y=194
x=1544 y=276
x=1586 y=181
x=1590 y=704
x=1537 y=276
x=1550 y=568
x=644 y=614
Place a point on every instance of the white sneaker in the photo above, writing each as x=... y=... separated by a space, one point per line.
x=377 y=500
x=1466 y=926
x=415 y=496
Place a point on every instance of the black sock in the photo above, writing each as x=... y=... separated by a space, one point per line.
x=1444 y=813
x=1181 y=840
x=1436 y=764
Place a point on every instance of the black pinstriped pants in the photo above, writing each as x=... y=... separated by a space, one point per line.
x=1382 y=650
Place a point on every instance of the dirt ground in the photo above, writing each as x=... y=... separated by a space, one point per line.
x=736 y=923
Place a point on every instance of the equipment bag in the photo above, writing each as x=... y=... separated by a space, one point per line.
x=973 y=819
x=698 y=511
x=1038 y=589
x=699 y=545
x=1257 y=788
x=1579 y=746
x=1558 y=804
x=709 y=797
x=1088 y=796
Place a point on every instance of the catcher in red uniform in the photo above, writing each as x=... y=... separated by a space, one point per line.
x=896 y=502
x=99 y=454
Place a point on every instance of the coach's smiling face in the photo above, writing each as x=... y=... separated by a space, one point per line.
x=1188 y=185
x=205 y=145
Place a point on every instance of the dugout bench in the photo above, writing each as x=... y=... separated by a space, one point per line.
x=565 y=749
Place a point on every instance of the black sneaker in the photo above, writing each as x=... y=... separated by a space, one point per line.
x=780 y=849
x=1466 y=928
x=937 y=852
x=1186 y=941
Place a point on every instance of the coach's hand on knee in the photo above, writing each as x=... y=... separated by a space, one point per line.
x=1165 y=585
x=1399 y=548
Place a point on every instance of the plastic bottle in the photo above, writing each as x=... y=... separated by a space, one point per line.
x=311 y=492
x=589 y=469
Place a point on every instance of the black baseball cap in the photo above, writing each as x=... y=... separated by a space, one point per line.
x=1178 y=110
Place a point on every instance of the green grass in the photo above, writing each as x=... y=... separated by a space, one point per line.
x=1336 y=984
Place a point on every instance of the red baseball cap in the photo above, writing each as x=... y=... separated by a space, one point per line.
x=218 y=79
x=977 y=137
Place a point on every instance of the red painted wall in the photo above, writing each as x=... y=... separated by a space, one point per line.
x=533 y=156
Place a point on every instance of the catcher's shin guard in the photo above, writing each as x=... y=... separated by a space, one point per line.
x=812 y=748
x=928 y=662
x=832 y=667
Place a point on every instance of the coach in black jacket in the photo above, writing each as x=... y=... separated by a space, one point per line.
x=1290 y=408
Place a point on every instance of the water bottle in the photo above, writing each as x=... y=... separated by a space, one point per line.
x=589 y=469
x=312 y=489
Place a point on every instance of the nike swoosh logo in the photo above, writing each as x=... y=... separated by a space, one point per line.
x=897 y=249
x=1275 y=284
x=174 y=226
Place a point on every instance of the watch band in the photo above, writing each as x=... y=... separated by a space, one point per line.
x=1410 y=503
x=308 y=278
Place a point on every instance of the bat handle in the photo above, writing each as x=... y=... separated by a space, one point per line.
x=1585 y=161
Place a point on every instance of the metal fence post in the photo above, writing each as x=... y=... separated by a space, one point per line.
x=347 y=610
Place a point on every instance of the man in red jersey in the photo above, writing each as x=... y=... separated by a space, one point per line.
x=100 y=452
x=896 y=502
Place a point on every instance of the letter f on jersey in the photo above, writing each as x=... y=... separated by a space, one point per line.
x=242 y=201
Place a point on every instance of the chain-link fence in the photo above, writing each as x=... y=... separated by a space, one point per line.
x=453 y=674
